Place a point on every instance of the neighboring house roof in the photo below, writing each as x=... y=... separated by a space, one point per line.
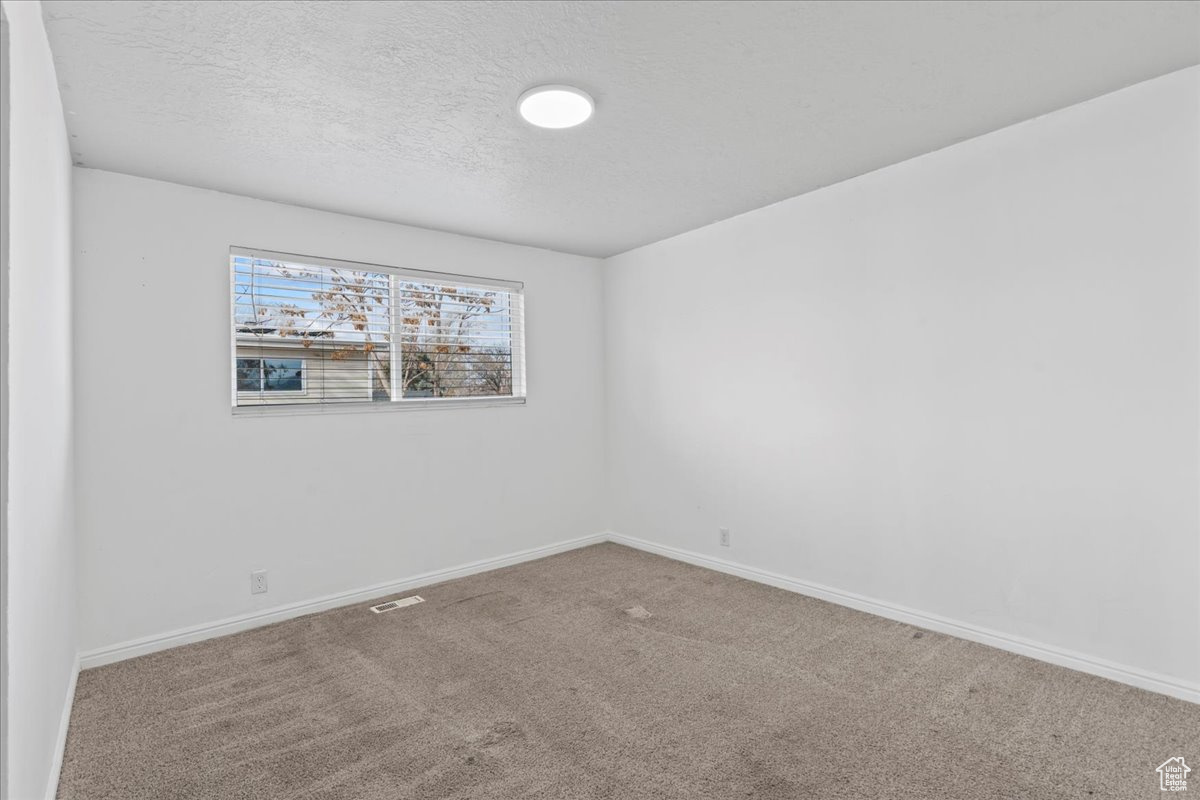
x=309 y=342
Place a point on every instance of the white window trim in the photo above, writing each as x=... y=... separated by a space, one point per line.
x=372 y=406
x=516 y=312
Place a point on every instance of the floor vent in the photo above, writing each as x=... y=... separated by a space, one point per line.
x=392 y=605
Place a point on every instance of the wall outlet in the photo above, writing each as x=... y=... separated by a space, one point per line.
x=723 y=536
x=258 y=582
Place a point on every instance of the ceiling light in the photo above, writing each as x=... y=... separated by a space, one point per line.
x=555 y=106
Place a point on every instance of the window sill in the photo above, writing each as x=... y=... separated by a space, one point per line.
x=368 y=407
x=284 y=395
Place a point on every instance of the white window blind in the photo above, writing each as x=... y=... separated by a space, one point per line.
x=318 y=332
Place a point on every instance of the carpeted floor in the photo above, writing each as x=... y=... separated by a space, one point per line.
x=536 y=681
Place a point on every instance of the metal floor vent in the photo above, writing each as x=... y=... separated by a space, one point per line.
x=392 y=605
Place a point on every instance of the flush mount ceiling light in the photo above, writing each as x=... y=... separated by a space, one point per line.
x=555 y=106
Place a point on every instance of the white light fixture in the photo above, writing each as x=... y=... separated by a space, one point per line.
x=556 y=106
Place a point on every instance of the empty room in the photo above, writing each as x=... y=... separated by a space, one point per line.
x=600 y=400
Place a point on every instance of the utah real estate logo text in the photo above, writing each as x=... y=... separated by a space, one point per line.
x=1172 y=775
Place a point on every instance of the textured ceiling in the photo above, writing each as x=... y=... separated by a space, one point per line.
x=406 y=111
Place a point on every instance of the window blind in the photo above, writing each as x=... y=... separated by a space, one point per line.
x=318 y=332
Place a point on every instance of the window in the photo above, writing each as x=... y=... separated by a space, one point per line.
x=317 y=332
x=270 y=374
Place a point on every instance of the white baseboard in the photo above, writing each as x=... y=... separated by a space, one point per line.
x=196 y=633
x=1014 y=644
x=60 y=743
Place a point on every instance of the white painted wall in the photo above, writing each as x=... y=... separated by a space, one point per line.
x=179 y=500
x=5 y=223
x=40 y=644
x=968 y=384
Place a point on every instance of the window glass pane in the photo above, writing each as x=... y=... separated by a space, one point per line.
x=283 y=375
x=338 y=317
x=455 y=341
x=248 y=375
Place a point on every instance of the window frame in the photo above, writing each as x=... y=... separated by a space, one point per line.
x=515 y=289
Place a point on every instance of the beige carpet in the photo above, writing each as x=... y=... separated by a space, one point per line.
x=535 y=682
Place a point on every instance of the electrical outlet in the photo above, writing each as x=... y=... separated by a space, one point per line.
x=724 y=537
x=258 y=582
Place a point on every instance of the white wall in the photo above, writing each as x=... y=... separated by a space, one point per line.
x=40 y=645
x=966 y=384
x=179 y=500
x=4 y=227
